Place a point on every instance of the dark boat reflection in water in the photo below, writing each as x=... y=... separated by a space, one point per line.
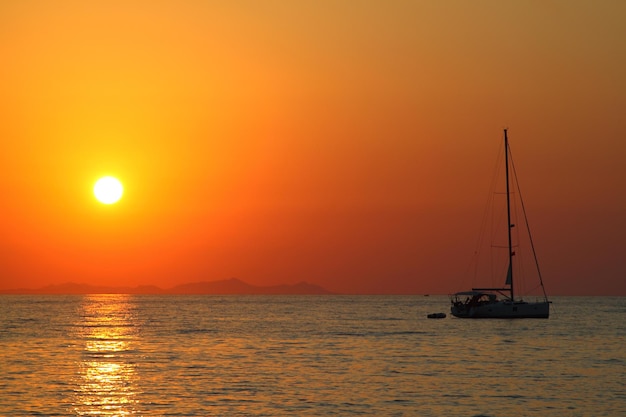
x=106 y=382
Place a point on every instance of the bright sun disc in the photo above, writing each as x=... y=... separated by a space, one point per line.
x=108 y=190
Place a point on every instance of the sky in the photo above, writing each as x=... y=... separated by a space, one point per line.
x=347 y=144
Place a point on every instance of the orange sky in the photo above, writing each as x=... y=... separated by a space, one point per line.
x=348 y=144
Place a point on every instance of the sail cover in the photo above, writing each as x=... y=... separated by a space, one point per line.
x=509 y=275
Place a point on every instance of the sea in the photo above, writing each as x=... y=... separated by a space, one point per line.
x=127 y=355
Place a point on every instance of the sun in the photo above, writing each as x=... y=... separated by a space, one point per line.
x=108 y=190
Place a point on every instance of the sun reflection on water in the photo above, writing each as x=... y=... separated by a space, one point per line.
x=106 y=384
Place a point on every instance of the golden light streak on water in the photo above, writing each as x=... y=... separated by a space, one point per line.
x=106 y=384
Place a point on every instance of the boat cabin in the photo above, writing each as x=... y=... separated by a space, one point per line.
x=473 y=298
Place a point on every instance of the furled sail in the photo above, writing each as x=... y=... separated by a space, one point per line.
x=509 y=275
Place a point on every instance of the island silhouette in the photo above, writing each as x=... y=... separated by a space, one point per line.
x=232 y=286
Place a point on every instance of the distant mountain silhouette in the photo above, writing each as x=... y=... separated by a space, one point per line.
x=237 y=286
x=232 y=286
x=74 y=288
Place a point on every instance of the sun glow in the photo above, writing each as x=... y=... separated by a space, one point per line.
x=108 y=190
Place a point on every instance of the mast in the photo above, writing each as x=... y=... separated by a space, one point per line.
x=508 y=213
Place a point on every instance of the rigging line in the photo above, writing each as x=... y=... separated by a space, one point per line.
x=489 y=209
x=491 y=214
x=530 y=236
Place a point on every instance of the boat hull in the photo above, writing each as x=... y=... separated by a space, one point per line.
x=502 y=310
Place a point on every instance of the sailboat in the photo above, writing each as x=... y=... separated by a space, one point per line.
x=501 y=302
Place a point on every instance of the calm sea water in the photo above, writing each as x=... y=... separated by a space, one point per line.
x=118 y=355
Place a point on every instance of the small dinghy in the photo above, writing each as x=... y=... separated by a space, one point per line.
x=437 y=316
